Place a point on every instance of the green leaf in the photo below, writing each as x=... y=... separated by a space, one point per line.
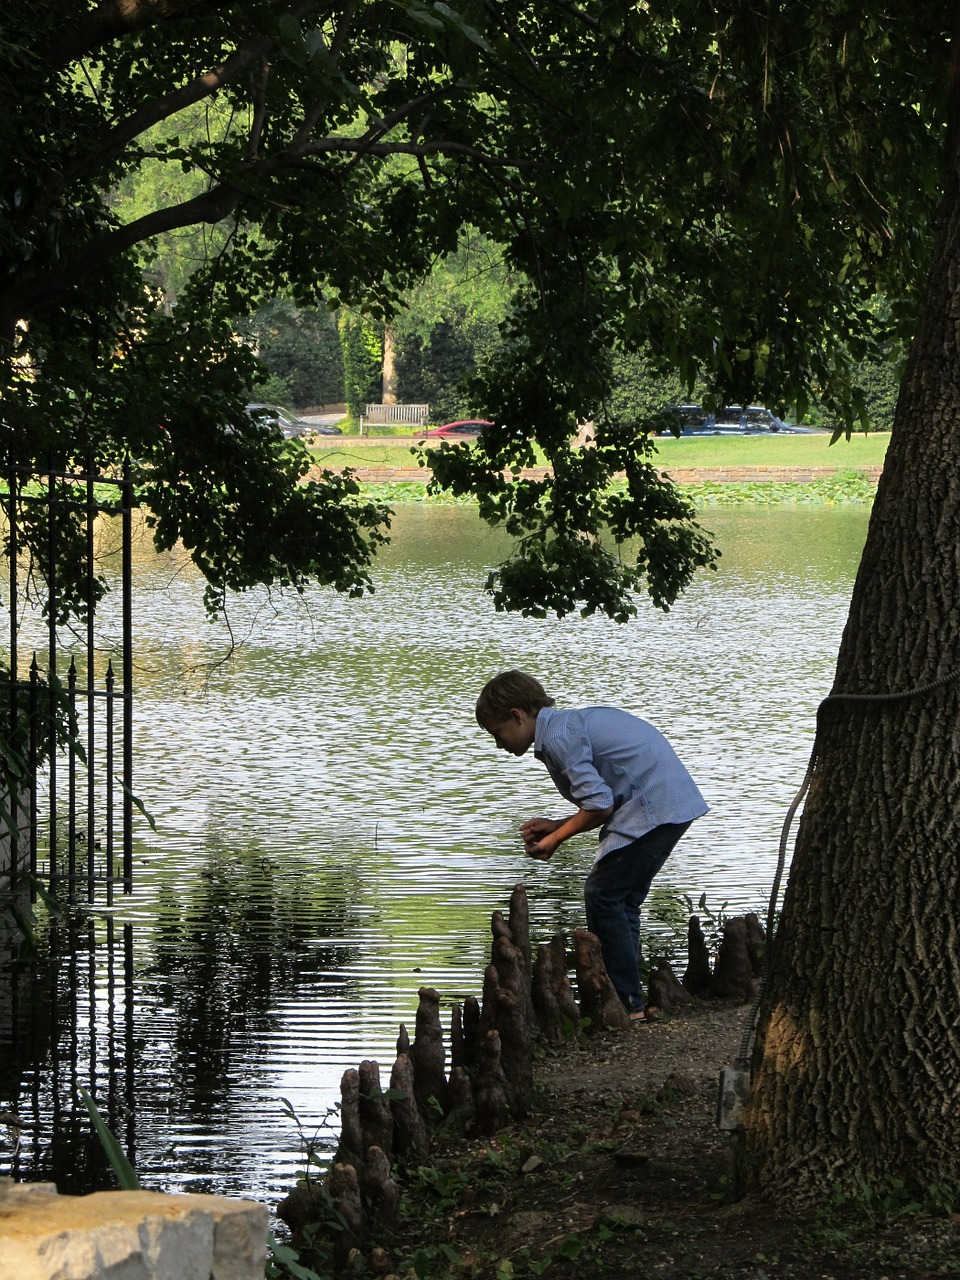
x=125 y=1173
x=460 y=26
x=137 y=803
x=49 y=900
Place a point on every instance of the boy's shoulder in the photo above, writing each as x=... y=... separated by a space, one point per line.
x=582 y=720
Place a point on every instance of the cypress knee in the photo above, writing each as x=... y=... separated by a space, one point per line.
x=410 y=1140
x=598 y=998
x=515 y=1057
x=376 y=1122
x=665 y=991
x=472 y=1034
x=490 y=1089
x=555 y=1007
x=381 y=1193
x=697 y=976
x=350 y=1149
x=460 y=1117
x=519 y=919
x=428 y=1057
x=344 y=1190
x=458 y=1048
x=756 y=940
x=733 y=974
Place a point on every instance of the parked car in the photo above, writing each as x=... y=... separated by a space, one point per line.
x=465 y=427
x=731 y=420
x=288 y=422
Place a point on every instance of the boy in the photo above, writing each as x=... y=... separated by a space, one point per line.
x=624 y=777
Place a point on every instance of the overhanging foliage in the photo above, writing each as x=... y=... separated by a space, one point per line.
x=724 y=186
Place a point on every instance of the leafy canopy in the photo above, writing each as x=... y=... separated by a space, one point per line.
x=725 y=186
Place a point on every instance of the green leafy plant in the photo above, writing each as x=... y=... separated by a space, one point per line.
x=284 y=1261
x=315 y=1149
x=433 y=1262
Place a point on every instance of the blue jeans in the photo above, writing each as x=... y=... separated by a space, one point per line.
x=614 y=892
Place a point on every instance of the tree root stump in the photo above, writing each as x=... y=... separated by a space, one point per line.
x=697 y=976
x=665 y=990
x=598 y=999
x=428 y=1056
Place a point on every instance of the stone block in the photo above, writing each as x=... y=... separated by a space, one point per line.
x=128 y=1235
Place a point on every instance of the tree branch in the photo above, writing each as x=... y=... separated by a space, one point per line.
x=202 y=86
x=311 y=116
x=113 y=19
x=362 y=147
x=210 y=206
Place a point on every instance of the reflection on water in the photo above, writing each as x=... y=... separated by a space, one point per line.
x=333 y=830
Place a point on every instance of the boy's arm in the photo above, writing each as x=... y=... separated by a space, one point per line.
x=541 y=836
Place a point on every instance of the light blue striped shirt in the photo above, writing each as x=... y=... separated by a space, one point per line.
x=600 y=757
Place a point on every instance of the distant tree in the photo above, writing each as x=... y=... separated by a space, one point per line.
x=877 y=380
x=300 y=349
x=172 y=256
x=638 y=389
x=450 y=324
x=361 y=346
x=880 y=386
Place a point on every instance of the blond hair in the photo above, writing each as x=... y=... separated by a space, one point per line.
x=509 y=690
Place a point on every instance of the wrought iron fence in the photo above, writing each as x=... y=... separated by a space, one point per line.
x=67 y=758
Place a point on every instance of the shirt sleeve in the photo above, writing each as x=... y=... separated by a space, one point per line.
x=575 y=774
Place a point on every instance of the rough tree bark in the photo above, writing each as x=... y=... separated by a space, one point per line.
x=857 y=1061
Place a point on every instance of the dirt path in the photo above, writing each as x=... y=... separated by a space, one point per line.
x=620 y=1171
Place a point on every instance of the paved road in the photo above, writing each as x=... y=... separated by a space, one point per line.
x=323 y=419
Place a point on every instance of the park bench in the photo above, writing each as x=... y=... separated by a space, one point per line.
x=394 y=415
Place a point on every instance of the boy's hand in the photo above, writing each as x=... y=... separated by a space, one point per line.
x=534 y=828
x=535 y=834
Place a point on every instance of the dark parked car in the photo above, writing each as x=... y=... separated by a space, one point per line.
x=288 y=422
x=731 y=420
x=465 y=427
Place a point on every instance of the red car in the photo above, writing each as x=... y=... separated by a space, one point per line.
x=466 y=427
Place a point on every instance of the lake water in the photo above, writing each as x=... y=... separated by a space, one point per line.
x=333 y=830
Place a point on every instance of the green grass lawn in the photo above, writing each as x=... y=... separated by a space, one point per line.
x=353 y=454
x=689 y=451
x=772 y=451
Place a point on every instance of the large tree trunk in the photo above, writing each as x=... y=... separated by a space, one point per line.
x=857 y=1063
